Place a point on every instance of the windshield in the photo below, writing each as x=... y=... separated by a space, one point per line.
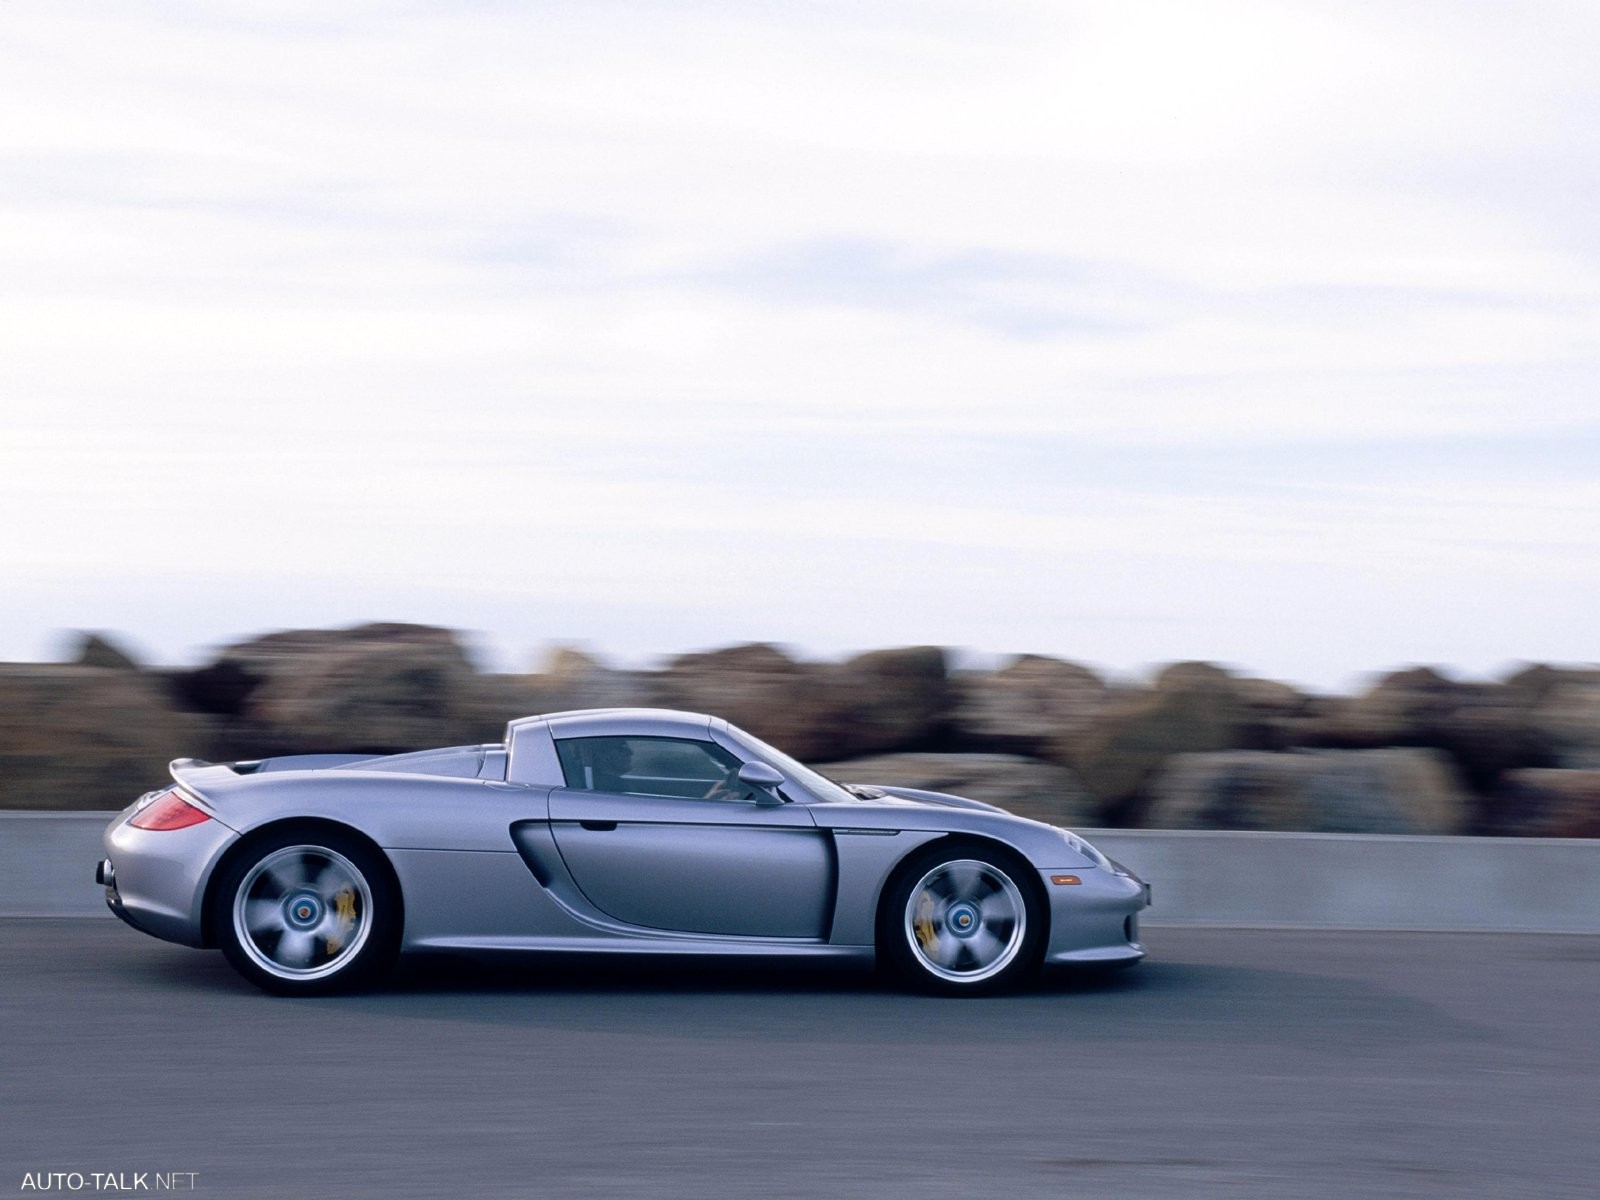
x=819 y=786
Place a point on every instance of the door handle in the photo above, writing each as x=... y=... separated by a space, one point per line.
x=599 y=826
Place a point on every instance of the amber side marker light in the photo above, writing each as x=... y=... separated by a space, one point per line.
x=1065 y=879
x=172 y=811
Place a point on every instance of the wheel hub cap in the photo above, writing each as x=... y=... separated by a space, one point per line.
x=962 y=919
x=303 y=910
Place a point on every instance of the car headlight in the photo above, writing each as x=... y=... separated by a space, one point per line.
x=1085 y=849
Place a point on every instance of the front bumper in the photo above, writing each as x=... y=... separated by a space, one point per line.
x=1095 y=921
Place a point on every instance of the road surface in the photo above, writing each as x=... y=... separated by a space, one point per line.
x=1234 y=1063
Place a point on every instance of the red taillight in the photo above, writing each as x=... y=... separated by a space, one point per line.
x=171 y=811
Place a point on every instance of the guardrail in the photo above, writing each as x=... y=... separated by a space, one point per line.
x=1358 y=881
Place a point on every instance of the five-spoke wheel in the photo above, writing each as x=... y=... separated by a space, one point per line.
x=307 y=914
x=956 y=921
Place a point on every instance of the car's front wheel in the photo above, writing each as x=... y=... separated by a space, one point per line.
x=308 y=913
x=961 y=921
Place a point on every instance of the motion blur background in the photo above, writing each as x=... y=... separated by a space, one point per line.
x=1263 y=334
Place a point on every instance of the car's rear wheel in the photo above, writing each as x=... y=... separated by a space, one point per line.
x=961 y=920
x=307 y=913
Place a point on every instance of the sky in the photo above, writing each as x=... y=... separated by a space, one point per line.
x=1262 y=333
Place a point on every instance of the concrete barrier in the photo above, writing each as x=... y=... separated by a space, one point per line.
x=47 y=864
x=1198 y=877
x=1363 y=881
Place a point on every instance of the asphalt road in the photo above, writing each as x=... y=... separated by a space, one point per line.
x=1233 y=1064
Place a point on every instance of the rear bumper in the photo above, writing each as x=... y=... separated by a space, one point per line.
x=155 y=879
x=106 y=875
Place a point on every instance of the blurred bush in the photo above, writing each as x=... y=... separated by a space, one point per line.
x=1197 y=746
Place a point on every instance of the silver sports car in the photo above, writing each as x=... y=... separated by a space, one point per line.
x=606 y=830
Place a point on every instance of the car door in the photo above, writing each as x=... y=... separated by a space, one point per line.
x=658 y=832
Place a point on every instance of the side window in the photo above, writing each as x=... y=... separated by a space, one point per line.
x=651 y=766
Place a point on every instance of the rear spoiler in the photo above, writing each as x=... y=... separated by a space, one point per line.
x=195 y=775
x=199 y=778
x=183 y=768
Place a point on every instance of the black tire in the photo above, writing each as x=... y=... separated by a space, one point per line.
x=961 y=920
x=308 y=912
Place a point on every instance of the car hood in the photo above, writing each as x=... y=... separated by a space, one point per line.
x=900 y=795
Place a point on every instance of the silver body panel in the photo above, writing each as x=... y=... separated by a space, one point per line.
x=494 y=852
x=161 y=876
x=697 y=866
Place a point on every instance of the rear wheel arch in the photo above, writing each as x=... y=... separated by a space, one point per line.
x=307 y=908
x=247 y=845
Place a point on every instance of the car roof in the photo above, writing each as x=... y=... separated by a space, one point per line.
x=602 y=722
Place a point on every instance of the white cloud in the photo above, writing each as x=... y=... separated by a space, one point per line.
x=702 y=300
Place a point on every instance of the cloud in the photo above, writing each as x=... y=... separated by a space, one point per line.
x=1062 y=302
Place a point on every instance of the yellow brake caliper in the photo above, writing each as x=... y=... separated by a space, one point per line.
x=922 y=923
x=344 y=907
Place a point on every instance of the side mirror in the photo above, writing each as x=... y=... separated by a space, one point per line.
x=764 y=778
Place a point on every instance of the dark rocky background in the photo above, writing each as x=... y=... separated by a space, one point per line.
x=1196 y=747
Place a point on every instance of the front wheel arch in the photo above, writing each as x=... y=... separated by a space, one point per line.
x=892 y=896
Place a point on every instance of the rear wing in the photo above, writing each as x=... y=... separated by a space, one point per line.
x=196 y=776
